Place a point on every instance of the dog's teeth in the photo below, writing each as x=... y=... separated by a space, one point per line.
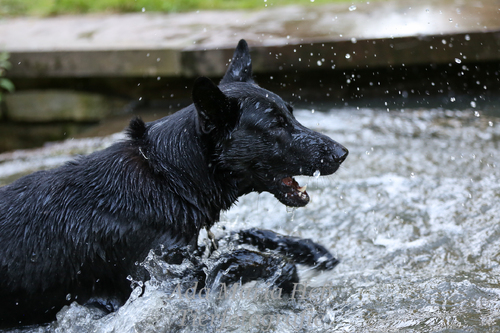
x=302 y=189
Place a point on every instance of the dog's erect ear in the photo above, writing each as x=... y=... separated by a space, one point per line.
x=215 y=110
x=240 y=69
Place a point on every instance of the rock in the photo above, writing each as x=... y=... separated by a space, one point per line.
x=60 y=105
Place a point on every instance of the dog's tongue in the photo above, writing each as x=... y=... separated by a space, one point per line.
x=290 y=193
x=289 y=181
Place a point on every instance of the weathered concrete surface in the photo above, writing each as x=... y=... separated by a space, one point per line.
x=96 y=63
x=57 y=106
x=375 y=33
x=270 y=26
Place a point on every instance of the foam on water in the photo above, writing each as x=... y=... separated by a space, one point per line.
x=412 y=215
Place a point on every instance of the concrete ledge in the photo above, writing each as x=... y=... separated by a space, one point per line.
x=342 y=54
x=95 y=63
x=369 y=33
x=56 y=106
x=364 y=53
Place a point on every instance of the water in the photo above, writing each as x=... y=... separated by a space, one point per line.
x=414 y=222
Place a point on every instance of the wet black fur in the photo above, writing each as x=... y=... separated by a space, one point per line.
x=77 y=231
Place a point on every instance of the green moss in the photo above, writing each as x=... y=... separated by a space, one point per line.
x=58 y=7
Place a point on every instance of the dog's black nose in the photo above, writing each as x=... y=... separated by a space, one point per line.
x=340 y=154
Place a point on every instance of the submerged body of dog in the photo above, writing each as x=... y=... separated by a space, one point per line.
x=76 y=232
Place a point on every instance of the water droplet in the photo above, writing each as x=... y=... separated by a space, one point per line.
x=68 y=297
x=490 y=123
x=143 y=9
x=319 y=63
x=476 y=113
x=354 y=40
x=458 y=61
x=467 y=37
x=158 y=59
x=451 y=20
x=158 y=78
x=316 y=174
x=452 y=99
x=348 y=56
x=129 y=278
x=412 y=175
x=473 y=104
x=352 y=8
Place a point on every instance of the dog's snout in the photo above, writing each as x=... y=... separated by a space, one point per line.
x=340 y=154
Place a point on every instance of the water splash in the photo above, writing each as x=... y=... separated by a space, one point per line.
x=424 y=245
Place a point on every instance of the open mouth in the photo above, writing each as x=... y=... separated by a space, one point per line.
x=290 y=193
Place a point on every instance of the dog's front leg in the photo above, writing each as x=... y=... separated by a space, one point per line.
x=300 y=251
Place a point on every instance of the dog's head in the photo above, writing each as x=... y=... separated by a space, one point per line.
x=255 y=137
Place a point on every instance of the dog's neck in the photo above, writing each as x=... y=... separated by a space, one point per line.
x=183 y=157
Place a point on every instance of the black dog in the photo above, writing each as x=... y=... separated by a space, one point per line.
x=76 y=232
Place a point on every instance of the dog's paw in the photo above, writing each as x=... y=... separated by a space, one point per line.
x=298 y=250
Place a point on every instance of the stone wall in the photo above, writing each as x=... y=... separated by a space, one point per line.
x=29 y=117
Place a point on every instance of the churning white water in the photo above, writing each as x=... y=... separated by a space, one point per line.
x=413 y=215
